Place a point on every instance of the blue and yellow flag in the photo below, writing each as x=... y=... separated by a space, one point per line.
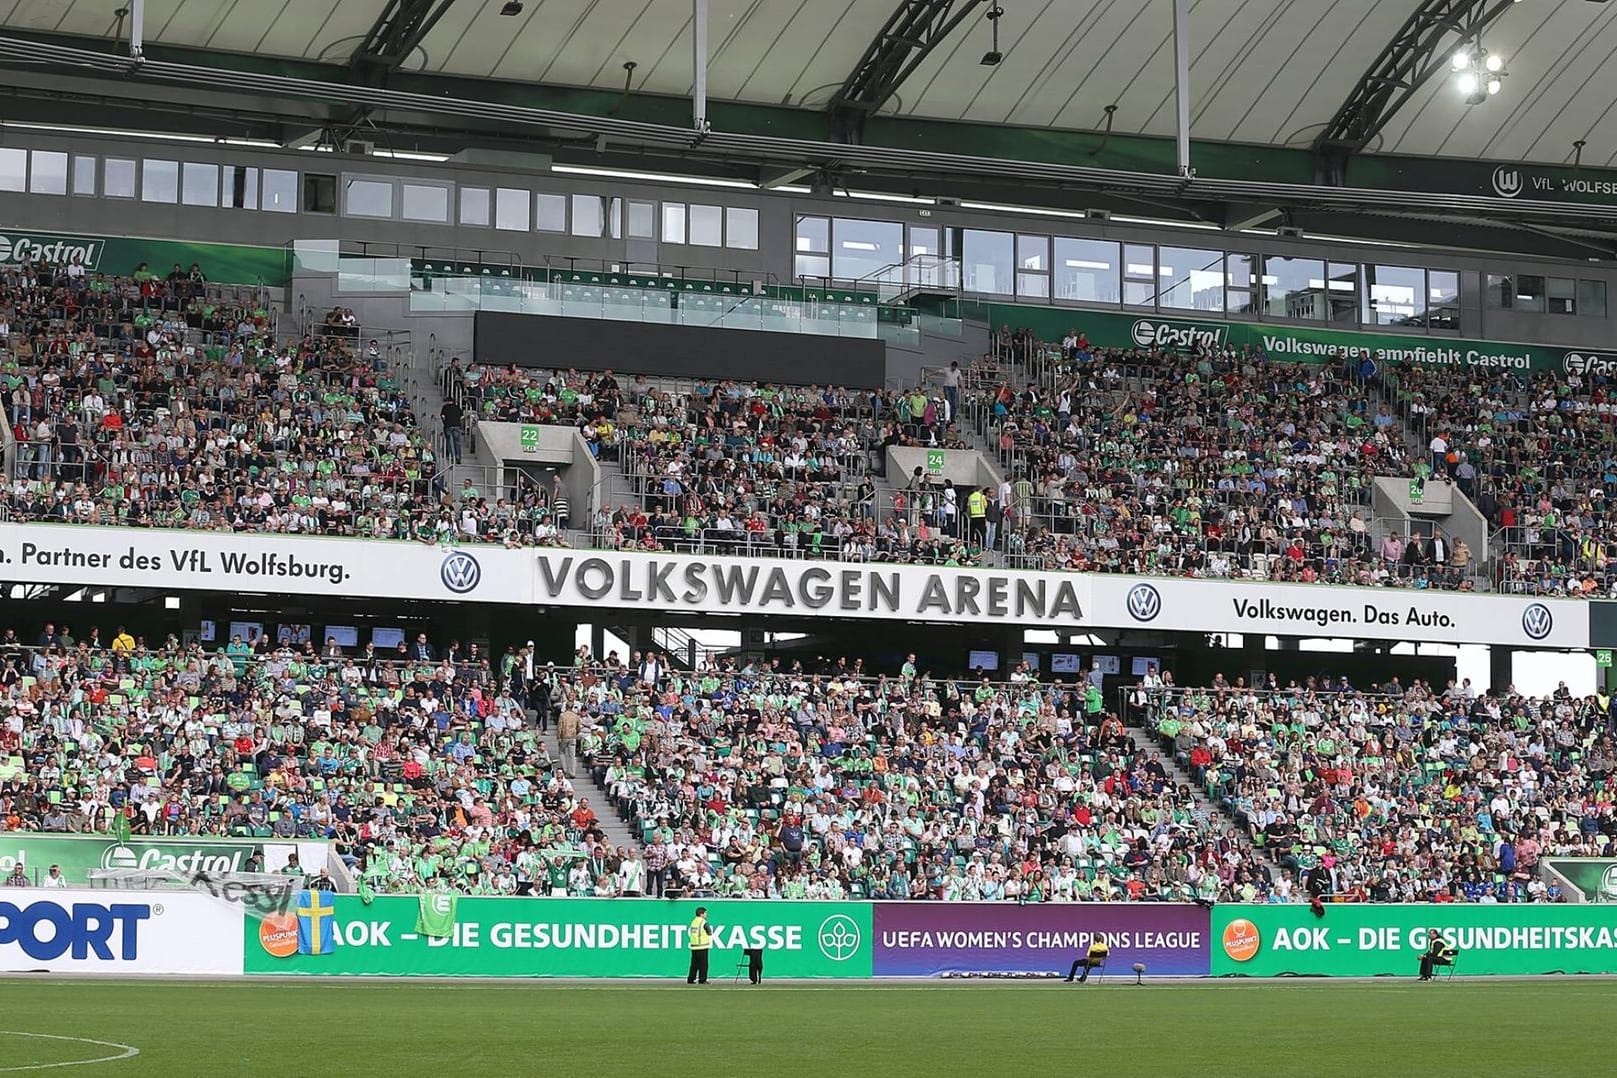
x=317 y=923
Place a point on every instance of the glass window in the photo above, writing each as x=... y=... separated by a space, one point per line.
x=813 y=236
x=1033 y=253
x=424 y=202
x=159 y=180
x=474 y=206
x=319 y=192
x=1086 y=270
x=13 y=169
x=1530 y=294
x=49 y=175
x=118 y=178
x=673 y=222
x=1442 y=299
x=199 y=184
x=642 y=220
x=1139 y=275
x=513 y=209
x=1561 y=296
x=706 y=226
x=1499 y=292
x=1342 y=292
x=368 y=198
x=812 y=266
x=863 y=247
x=1192 y=279
x=83 y=175
x=589 y=216
x=923 y=241
x=741 y=228
x=1394 y=295
x=988 y=261
x=240 y=187
x=550 y=213
x=280 y=191
x=1592 y=299
x=1241 y=275
x=1294 y=288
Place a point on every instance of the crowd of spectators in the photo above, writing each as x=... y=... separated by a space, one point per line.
x=1536 y=453
x=167 y=402
x=1400 y=793
x=433 y=767
x=1210 y=463
x=737 y=467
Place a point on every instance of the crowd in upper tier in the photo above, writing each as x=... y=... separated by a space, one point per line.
x=170 y=401
x=430 y=765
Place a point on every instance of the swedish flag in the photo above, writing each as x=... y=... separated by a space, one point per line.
x=317 y=923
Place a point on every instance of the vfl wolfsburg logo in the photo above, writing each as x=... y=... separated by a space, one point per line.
x=839 y=937
x=1507 y=181
x=1537 y=621
x=1144 y=602
x=460 y=572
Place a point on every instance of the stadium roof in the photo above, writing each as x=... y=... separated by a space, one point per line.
x=1271 y=72
x=1274 y=85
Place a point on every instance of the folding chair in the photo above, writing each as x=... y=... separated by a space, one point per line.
x=1454 y=960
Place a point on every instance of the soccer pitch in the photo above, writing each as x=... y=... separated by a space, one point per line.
x=1204 y=1028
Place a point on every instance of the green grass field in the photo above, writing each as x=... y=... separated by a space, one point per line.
x=1215 y=1028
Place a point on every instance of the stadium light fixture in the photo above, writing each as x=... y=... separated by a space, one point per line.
x=993 y=56
x=1478 y=73
x=512 y=7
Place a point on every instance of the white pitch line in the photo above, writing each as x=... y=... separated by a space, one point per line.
x=129 y=1051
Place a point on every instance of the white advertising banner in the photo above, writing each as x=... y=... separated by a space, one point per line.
x=112 y=931
x=269 y=564
x=697 y=584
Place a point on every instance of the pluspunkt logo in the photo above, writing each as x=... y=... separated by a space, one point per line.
x=461 y=573
x=45 y=931
x=839 y=937
x=1537 y=621
x=1507 y=181
x=1144 y=602
x=1241 y=940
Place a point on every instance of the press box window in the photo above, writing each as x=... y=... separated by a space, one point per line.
x=1561 y=295
x=84 y=175
x=240 y=187
x=369 y=198
x=281 y=192
x=1592 y=299
x=159 y=180
x=118 y=178
x=551 y=213
x=199 y=184
x=13 y=170
x=474 y=204
x=49 y=175
x=512 y=209
x=740 y=228
x=425 y=202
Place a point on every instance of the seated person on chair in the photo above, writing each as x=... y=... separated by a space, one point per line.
x=1096 y=958
x=1437 y=953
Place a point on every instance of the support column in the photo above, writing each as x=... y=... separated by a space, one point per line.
x=1181 y=82
x=699 y=63
x=137 y=30
x=1501 y=668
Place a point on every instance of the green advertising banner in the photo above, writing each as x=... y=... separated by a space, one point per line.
x=1594 y=877
x=79 y=854
x=564 y=937
x=1387 y=940
x=224 y=263
x=1298 y=344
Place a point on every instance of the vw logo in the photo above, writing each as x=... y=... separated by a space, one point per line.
x=839 y=937
x=1537 y=621
x=460 y=572
x=1507 y=181
x=1144 y=602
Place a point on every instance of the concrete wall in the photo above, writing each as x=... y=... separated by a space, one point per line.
x=965 y=467
x=559 y=447
x=1442 y=504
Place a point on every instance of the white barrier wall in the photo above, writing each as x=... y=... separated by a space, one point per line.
x=112 y=932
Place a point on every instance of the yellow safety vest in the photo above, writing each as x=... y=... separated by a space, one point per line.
x=701 y=938
x=977 y=504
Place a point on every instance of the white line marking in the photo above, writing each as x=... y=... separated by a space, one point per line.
x=129 y=1051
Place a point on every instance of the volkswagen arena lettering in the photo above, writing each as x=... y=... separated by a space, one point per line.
x=732 y=584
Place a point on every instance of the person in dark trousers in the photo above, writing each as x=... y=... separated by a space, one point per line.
x=1094 y=959
x=1437 y=953
x=454 y=422
x=700 y=938
x=755 y=964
